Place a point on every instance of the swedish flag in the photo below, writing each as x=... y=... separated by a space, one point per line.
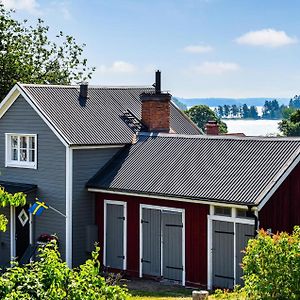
x=37 y=208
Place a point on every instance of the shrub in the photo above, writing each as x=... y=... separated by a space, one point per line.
x=50 y=278
x=272 y=266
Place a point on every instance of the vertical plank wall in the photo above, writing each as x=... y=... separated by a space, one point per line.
x=195 y=233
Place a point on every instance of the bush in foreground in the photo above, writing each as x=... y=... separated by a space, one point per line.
x=271 y=268
x=50 y=278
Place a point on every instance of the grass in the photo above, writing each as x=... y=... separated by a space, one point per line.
x=162 y=295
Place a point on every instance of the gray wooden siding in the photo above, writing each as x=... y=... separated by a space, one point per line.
x=86 y=163
x=50 y=174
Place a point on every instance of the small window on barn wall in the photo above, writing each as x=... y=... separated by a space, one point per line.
x=223 y=211
x=21 y=150
x=242 y=213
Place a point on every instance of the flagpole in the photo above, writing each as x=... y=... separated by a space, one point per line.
x=57 y=211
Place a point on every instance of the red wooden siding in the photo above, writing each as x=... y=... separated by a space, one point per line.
x=282 y=211
x=195 y=233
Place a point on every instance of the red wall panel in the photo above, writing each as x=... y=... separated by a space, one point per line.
x=195 y=233
x=282 y=211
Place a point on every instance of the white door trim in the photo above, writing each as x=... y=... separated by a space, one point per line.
x=161 y=208
x=12 y=233
x=233 y=219
x=124 y=204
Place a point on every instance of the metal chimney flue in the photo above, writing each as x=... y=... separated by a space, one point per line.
x=83 y=94
x=158 y=82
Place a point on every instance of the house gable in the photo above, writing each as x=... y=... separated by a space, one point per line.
x=49 y=176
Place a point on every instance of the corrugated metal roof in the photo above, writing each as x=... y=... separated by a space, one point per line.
x=99 y=121
x=226 y=169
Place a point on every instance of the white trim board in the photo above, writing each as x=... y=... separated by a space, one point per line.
x=124 y=204
x=12 y=96
x=162 y=208
x=69 y=212
x=168 y=198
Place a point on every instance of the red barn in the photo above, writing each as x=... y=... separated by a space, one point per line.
x=183 y=207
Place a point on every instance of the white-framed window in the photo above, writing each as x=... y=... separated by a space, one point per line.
x=21 y=150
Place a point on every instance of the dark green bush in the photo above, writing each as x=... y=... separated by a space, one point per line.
x=50 y=278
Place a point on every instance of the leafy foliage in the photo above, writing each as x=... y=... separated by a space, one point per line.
x=272 y=266
x=291 y=127
x=6 y=199
x=50 y=278
x=28 y=56
x=201 y=114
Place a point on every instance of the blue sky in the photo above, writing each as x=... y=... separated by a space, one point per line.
x=204 y=48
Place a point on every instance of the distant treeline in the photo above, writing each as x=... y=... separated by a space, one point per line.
x=270 y=111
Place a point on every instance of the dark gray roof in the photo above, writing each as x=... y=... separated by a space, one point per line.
x=224 y=169
x=100 y=120
x=15 y=187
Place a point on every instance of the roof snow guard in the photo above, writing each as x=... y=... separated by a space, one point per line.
x=234 y=170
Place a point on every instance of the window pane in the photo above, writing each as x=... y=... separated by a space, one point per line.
x=223 y=211
x=14 y=141
x=23 y=142
x=31 y=155
x=31 y=142
x=23 y=155
x=14 y=154
x=241 y=213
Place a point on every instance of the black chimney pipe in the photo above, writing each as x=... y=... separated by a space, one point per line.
x=83 y=94
x=157 y=82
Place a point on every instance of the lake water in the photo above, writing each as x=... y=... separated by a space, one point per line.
x=253 y=127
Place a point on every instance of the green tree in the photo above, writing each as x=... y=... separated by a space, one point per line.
x=291 y=126
x=226 y=110
x=235 y=110
x=201 y=114
x=271 y=110
x=295 y=102
x=245 y=111
x=253 y=114
x=220 y=111
x=27 y=55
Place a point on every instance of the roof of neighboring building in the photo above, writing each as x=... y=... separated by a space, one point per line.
x=15 y=187
x=99 y=120
x=237 y=170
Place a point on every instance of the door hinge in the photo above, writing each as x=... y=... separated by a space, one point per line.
x=121 y=218
x=144 y=221
x=146 y=261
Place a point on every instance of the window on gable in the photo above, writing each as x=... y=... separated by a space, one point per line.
x=21 y=150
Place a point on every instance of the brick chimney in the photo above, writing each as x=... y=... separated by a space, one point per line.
x=156 y=108
x=212 y=128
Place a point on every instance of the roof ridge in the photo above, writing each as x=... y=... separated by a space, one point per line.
x=219 y=137
x=90 y=86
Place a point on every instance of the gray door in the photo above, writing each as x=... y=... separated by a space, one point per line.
x=172 y=245
x=151 y=232
x=244 y=232
x=223 y=254
x=115 y=218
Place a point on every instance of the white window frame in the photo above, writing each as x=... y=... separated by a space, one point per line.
x=19 y=164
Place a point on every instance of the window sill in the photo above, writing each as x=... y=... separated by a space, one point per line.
x=22 y=166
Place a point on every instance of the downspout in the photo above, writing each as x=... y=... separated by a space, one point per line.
x=251 y=214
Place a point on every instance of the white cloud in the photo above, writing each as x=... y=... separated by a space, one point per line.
x=216 y=68
x=30 y=6
x=198 y=49
x=266 y=37
x=118 y=67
